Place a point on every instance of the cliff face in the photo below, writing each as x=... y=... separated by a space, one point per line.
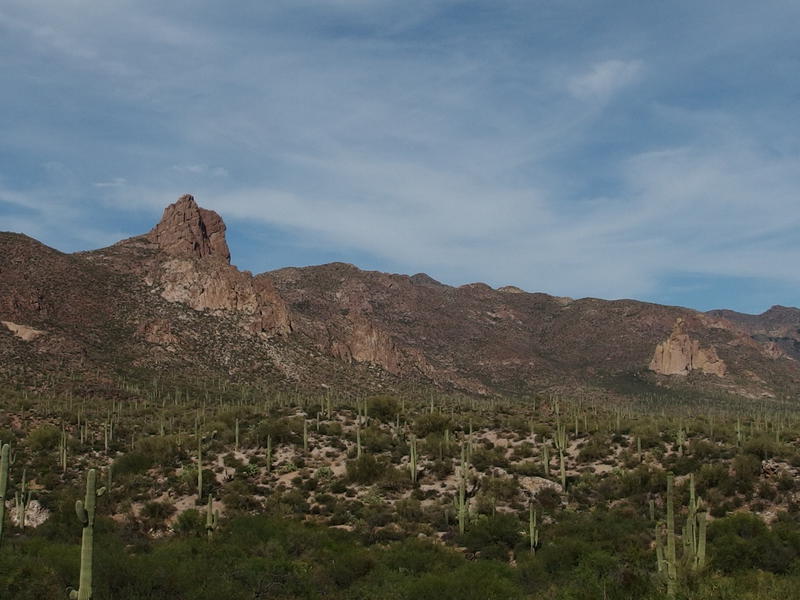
x=778 y=328
x=680 y=355
x=171 y=297
x=187 y=230
x=193 y=268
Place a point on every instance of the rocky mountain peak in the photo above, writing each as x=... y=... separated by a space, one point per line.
x=680 y=354
x=187 y=230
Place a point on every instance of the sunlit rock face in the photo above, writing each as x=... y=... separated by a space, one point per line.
x=680 y=354
x=187 y=230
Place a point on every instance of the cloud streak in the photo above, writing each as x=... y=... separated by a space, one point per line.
x=604 y=79
x=562 y=149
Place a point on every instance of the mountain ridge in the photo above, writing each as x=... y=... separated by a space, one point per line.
x=171 y=296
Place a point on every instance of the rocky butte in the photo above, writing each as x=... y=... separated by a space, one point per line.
x=171 y=299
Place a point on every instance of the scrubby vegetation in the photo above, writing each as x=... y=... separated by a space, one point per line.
x=207 y=490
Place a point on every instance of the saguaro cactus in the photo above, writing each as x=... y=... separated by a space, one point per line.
x=560 y=440
x=85 y=511
x=693 y=538
x=546 y=459
x=695 y=530
x=700 y=556
x=269 y=454
x=212 y=518
x=62 y=450
x=199 y=468
x=22 y=499
x=533 y=529
x=461 y=499
x=412 y=463
x=672 y=562
x=5 y=460
x=660 y=561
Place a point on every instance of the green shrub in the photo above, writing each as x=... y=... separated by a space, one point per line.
x=43 y=438
x=490 y=535
x=132 y=463
x=190 y=522
x=365 y=470
x=431 y=423
x=383 y=408
x=743 y=541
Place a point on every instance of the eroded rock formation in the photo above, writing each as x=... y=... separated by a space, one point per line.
x=679 y=354
x=187 y=230
x=198 y=272
x=176 y=292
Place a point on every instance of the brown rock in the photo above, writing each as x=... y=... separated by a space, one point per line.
x=365 y=343
x=679 y=355
x=189 y=235
x=158 y=331
x=23 y=332
x=187 y=230
x=334 y=324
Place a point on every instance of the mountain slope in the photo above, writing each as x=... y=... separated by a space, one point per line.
x=170 y=299
x=779 y=326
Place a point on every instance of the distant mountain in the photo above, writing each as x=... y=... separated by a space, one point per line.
x=780 y=325
x=171 y=300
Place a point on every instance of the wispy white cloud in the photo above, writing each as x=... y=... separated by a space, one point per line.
x=478 y=141
x=604 y=79
x=116 y=182
x=201 y=170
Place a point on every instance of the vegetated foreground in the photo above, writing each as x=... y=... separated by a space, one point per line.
x=219 y=490
x=173 y=427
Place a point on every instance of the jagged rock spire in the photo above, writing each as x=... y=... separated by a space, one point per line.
x=186 y=229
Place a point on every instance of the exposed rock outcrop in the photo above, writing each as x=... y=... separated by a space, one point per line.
x=172 y=298
x=198 y=272
x=367 y=344
x=187 y=230
x=680 y=354
x=219 y=286
x=778 y=329
x=23 y=332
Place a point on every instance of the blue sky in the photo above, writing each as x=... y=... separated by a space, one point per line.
x=609 y=149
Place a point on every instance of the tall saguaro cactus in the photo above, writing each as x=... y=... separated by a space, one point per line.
x=560 y=440
x=412 y=462
x=85 y=511
x=693 y=537
x=533 y=528
x=4 y=462
x=462 y=507
x=199 y=468
x=22 y=499
x=212 y=518
x=269 y=454
x=672 y=562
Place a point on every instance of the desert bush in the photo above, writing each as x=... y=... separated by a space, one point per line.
x=365 y=470
x=493 y=536
x=383 y=408
x=431 y=423
x=593 y=450
x=43 y=438
x=190 y=522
